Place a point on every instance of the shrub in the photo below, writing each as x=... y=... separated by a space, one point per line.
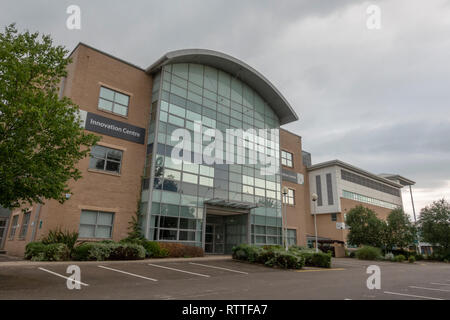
x=59 y=236
x=419 y=257
x=93 y=251
x=321 y=260
x=33 y=249
x=295 y=258
x=127 y=251
x=154 y=250
x=177 y=250
x=38 y=251
x=368 y=253
x=285 y=259
x=100 y=251
x=56 y=252
x=389 y=256
x=411 y=259
x=400 y=258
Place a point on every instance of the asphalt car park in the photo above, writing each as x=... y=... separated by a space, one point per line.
x=223 y=279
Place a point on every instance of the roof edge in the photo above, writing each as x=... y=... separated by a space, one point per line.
x=237 y=68
x=353 y=168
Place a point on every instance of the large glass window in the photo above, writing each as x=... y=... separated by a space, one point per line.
x=193 y=92
x=105 y=159
x=113 y=101
x=96 y=224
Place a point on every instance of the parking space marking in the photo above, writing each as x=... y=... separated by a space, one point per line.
x=61 y=276
x=434 y=289
x=412 y=295
x=440 y=284
x=194 y=273
x=128 y=273
x=221 y=268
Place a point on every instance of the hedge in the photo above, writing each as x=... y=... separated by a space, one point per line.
x=37 y=251
x=177 y=250
x=368 y=253
x=294 y=258
x=98 y=251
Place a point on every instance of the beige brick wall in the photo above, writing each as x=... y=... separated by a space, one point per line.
x=107 y=192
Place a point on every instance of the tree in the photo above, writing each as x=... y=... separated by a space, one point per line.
x=399 y=231
x=41 y=140
x=365 y=227
x=434 y=224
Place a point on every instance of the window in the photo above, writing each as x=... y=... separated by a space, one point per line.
x=319 y=191
x=113 y=101
x=329 y=189
x=290 y=197
x=24 y=228
x=96 y=224
x=14 y=226
x=105 y=159
x=333 y=217
x=286 y=158
x=291 y=237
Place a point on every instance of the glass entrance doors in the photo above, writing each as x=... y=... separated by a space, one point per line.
x=214 y=238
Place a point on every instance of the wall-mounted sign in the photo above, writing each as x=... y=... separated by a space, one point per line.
x=118 y=129
x=291 y=176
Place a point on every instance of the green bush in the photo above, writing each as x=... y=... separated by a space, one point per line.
x=389 y=256
x=33 y=249
x=152 y=248
x=321 y=260
x=127 y=251
x=285 y=259
x=295 y=258
x=368 y=253
x=38 y=251
x=419 y=257
x=411 y=259
x=93 y=251
x=59 y=236
x=400 y=258
x=100 y=251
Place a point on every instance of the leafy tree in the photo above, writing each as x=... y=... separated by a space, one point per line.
x=434 y=224
x=41 y=140
x=365 y=227
x=399 y=231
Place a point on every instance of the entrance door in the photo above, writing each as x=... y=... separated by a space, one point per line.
x=3 y=225
x=214 y=238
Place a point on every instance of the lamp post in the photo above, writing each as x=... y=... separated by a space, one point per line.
x=314 y=198
x=285 y=192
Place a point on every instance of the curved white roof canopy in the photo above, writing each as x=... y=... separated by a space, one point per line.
x=236 y=68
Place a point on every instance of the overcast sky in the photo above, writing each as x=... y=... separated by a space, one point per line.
x=378 y=99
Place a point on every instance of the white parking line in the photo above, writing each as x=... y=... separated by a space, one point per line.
x=434 y=289
x=411 y=295
x=221 y=268
x=61 y=276
x=197 y=274
x=128 y=273
x=440 y=284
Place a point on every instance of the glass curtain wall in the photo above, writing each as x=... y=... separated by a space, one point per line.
x=186 y=93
